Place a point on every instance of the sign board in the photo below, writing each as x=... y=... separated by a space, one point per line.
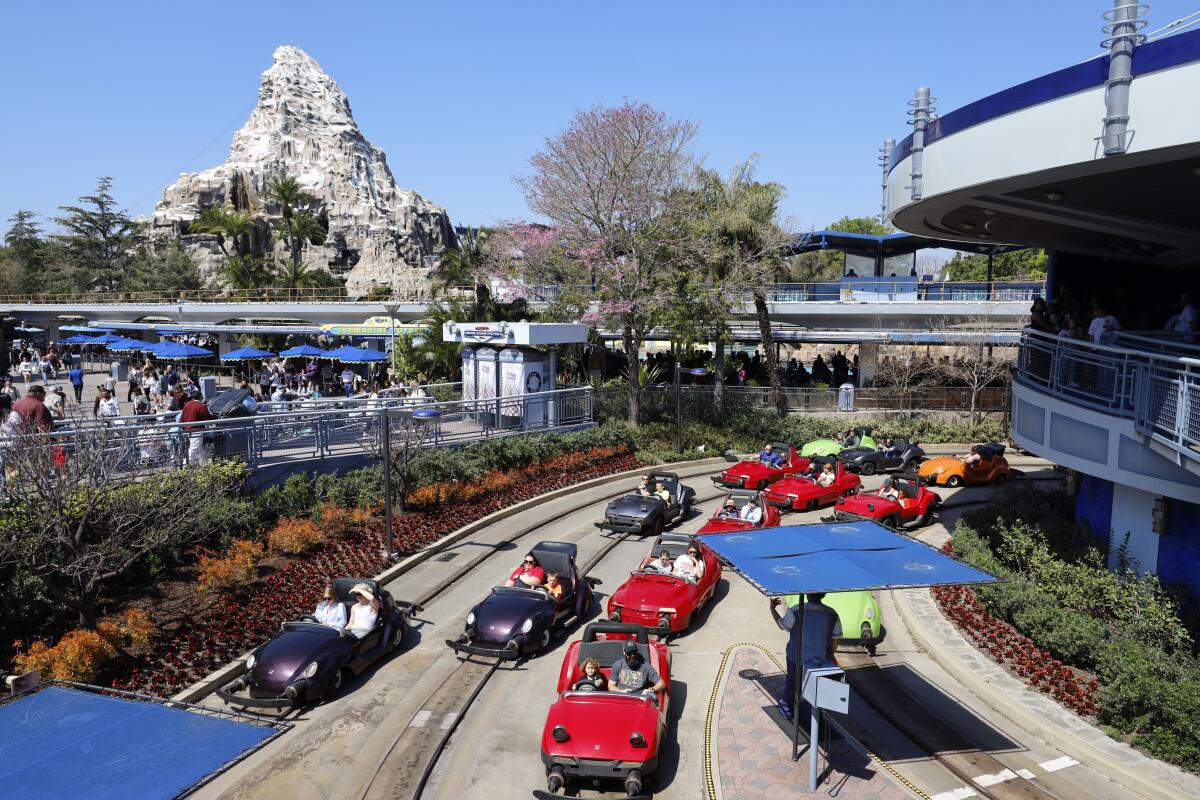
x=515 y=333
x=376 y=326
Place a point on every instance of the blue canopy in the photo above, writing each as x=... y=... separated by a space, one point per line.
x=303 y=351
x=246 y=354
x=60 y=742
x=355 y=355
x=838 y=557
x=108 y=338
x=77 y=339
x=127 y=344
x=178 y=351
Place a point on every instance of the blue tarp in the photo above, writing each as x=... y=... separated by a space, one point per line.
x=838 y=557
x=65 y=743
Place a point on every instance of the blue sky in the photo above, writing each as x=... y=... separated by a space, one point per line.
x=460 y=95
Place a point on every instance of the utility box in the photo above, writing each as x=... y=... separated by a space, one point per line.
x=487 y=385
x=208 y=387
x=468 y=373
x=824 y=688
x=522 y=372
x=846 y=397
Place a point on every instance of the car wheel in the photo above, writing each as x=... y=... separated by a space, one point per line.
x=1001 y=478
x=954 y=481
x=868 y=468
x=657 y=528
x=686 y=510
x=545 y=638
x=909 y=466
x=926 y=518
x=334 y=687
x=892 y=521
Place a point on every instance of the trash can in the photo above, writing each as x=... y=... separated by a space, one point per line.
x=846 y=397
x=233 y=439
x=208 y=387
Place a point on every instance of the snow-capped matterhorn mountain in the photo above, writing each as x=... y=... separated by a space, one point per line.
x=379 y=234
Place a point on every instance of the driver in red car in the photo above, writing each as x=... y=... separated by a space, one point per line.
x=592 y=679
x=632 y=675
x=889 y=490
x=769 y=457
x=528 y=574
x=827 y=476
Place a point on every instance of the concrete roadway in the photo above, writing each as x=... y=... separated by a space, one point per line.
x=336 y=747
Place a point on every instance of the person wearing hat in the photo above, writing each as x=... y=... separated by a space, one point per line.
x=364 y=613
x=632 y=675
x=889 y=490
x=729 y=510
x=751 y=512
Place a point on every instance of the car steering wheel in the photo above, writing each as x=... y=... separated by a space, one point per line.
x=586 y=687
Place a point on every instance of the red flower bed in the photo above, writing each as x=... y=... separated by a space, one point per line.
x=247 y=616
x=1017 y=652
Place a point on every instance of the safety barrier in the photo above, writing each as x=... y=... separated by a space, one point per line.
x=1156 y=384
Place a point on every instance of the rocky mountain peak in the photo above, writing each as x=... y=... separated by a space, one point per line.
x=302 y=126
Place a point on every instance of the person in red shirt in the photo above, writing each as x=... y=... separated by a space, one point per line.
x=32 y=410
x=195 y=411
x=528 y=574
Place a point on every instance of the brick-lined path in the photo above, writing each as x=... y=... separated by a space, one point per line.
x=754 y=745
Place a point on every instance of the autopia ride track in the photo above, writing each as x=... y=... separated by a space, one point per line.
x=407 y=763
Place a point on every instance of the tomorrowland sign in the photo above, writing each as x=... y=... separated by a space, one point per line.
x=375 y=326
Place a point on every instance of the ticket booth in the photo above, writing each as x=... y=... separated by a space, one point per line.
x=487 y=385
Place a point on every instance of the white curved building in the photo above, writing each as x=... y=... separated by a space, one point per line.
x=1120 y=217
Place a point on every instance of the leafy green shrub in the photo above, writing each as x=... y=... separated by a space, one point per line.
x=293 y=498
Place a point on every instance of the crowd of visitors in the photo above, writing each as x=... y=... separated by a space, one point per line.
x=1093 y=319
x=743 y=369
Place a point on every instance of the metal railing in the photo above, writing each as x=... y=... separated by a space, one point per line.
x=1152 y=385
x=848 y=290
x=312 y=430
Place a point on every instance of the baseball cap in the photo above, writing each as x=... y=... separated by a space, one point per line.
x=631 y=647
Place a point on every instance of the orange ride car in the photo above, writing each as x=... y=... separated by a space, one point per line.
x=952 y=471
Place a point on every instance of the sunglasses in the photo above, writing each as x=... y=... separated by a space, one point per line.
x=529 y=561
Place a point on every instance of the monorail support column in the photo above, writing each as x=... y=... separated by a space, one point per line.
x=868 y=363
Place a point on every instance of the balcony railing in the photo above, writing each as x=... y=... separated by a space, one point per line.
x=865 y=290
x=1156 y=384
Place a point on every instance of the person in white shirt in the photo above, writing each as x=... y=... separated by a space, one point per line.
x=329 y=611
x=690 y=565
x=1103 y=326
x=1187 y=320
x=827 y=476
x=751 y=512
x=348 y=377
x=363 y=614
x=109 y=407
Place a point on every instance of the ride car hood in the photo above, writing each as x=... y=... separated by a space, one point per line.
x=945 y=463
x=797 y=486
x=600 y=725
x=867 y=504
x=633 y=505
x=820 y=447
x=646 y=591
x=725 y=526
x=855 y=453
x=500 y=617
x=749 y=469
x=284 y=658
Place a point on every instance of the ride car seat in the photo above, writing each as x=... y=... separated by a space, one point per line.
x=607 y=652
x=342 y=587
x=741 y=497
x=906 y=488
x=669 y=481
x=557 y=559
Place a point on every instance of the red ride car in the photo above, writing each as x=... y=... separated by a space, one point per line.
x=721 y=522
x=802 y=492
x=593 y=734
x=916 y=507
x=664 y=603
x=753 y=474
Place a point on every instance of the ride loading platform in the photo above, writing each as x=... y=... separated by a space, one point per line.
x=881 y=734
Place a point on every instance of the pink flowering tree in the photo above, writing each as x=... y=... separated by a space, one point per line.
x=606 y=182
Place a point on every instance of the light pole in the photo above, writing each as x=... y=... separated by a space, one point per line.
x=696 y=372
x=392 y=308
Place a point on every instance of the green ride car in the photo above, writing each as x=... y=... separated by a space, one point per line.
x=859 y=437
x=858 y=614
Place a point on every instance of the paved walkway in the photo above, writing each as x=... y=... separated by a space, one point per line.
x=754 y=747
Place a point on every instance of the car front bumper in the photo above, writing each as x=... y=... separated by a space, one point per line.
x=596 y=768
x=464 y=645
x=729 y=483
x=621 y=527
x=292 y=696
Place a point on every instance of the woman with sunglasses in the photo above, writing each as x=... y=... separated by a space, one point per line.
x=690 y=565
x=528 y=574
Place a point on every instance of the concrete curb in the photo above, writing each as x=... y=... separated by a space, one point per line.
x=223 y=675
x=1130 y=775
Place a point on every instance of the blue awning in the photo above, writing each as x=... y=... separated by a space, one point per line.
x=60 y=742
x=838 y=557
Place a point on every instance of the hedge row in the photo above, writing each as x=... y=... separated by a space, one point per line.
x=1120 y=625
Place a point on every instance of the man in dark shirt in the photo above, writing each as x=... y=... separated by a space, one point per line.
x=32 y=410
x=821 y=626
x=632 y=675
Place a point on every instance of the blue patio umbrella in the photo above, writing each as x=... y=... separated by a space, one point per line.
x=355 y=355
x=78 y=339
x=246 y=354
x=127 y=344
x=303 y=351
x=178 y=351
x=108 y=338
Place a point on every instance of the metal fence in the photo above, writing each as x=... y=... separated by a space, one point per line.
x=304 y=431
x=658 y=402
x=1157 y=387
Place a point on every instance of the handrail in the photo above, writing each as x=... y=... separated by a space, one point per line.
x=800 y=291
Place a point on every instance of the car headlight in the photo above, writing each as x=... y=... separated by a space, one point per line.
x=527 y=627
x=470 y=617
x=870 y=612
x=251 y=660
x=311 y=670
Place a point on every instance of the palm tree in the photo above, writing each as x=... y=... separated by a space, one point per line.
x=229 y=226
x=298 y=227
x=465 y=265
x=750 y=245
x=245 y=273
